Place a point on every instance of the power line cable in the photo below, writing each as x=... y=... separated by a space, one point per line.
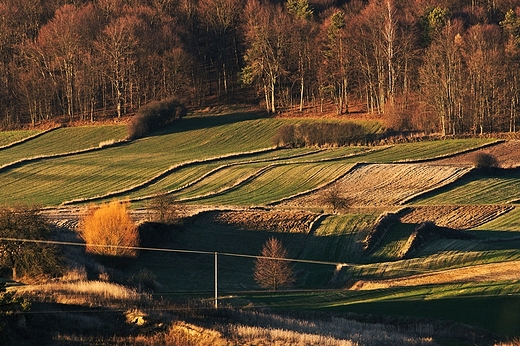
x=200 y=252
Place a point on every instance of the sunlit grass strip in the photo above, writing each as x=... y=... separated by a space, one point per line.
x=427 y=150
x=63 y=140
x=461 y=148
x=11 y=138
x=430 y=263
x=339 y=238
x=487 y=190
x=280 y=182
x=492 y=272
x=81 y=292
x=323 y=300
x=506 y=222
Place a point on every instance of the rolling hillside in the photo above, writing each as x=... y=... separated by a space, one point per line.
x=237 y=189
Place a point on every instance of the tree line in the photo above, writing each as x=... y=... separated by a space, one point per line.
x=446 y=66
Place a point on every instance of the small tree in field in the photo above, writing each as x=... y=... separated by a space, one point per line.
x=333 y=198
x=272 y=273
x=109 y=230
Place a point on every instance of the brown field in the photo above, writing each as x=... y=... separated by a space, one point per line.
x=385 y=184
x=455 y=216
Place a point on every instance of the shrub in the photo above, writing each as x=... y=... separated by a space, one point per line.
x=11 y=314
x=153 y=116
x=284 y=137
x=165 y=209
x=485 y=160
x=109 y=230
x=27 y=258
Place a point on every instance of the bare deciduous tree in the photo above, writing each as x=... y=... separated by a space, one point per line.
x=333 y=197
x=271 y=270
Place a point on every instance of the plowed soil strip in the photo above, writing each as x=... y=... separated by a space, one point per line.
x=455 y=216
x=387 y=184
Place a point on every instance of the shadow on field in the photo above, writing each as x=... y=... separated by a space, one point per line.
x=191 y=123
x=499 y=315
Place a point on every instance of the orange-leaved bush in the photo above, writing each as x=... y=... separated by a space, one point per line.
x=109 y=230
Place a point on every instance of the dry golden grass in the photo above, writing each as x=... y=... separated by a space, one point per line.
x=251 y=335
x=80 y=292
x=478 y=273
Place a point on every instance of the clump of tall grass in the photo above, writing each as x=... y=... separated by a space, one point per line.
x=251 y=335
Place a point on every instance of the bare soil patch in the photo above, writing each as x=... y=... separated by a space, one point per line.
x=478 y=273
x=455 y=216
x=507 y=154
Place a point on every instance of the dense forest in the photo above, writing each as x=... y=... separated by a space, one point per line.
x=446 y=66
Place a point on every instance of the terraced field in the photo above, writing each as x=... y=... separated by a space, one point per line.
x=71 y=139
x=9 y=137
x=494 y=189
x=249 y=190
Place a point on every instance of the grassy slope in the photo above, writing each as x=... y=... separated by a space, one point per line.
x=63 y=140
x=9 y=137
x=494 y=189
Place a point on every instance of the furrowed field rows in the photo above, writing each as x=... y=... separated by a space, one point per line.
x=63 y=140
x=432 y=259
x=220 y=181
x=280 y=182
x=215 y=179
x=338 y=238
x=387 y=184
x=508 y=222
x=455 y=216
x=53 y=181
x=9 y=137
x=196 y=174
x=485 y=190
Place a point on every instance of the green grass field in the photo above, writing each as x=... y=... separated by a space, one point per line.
x=10 y=137
x=494 y=189
x=229 y=160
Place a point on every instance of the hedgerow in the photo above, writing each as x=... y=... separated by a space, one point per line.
x=321 y=134
x=153 y=116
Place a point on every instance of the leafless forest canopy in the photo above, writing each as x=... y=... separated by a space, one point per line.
x=447 y=66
